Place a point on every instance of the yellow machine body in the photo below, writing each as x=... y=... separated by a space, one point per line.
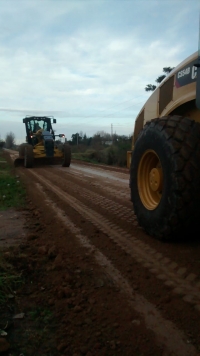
x=174 y=96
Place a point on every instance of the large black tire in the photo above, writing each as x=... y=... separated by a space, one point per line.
x=66 y=156
x=22 y=149
x=165 y=176
x=28 y=156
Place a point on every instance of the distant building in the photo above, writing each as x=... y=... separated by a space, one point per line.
x=109 y=143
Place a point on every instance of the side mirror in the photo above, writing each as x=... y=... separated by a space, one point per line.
x=54 y=121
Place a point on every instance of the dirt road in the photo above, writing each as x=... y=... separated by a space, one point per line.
x=114 y=289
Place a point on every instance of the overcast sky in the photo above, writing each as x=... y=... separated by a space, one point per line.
x=87 y=62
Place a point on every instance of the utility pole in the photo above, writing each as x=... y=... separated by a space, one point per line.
x=77 y=138
x=112 y=132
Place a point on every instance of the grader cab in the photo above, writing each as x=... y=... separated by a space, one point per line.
x=165 y=158
x=41 y=145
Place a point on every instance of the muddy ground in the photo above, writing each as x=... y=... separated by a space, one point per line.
x=92 y=282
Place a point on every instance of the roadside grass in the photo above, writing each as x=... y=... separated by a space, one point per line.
x=24 y=338
x=40 y=314
x=9 y=281
x=114 y=155
x=12 y=192
x=84 y=157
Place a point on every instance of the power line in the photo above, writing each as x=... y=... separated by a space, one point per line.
x=57 y=112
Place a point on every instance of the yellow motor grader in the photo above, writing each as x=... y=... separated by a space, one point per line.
x=40 y=143
x=165 y=158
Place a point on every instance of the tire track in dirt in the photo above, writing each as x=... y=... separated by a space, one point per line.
x=119 y=188
x=163 y=268
x=167 y=335
x=117 y=209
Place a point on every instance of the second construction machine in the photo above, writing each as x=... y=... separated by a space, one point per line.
x=165 y=158
x=41 y=145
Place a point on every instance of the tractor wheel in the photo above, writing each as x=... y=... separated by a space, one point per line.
x=28 y=156
x=22 y=149
x=66 y=156
x=165 y=176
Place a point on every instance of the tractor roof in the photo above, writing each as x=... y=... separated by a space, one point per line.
x=38 y=118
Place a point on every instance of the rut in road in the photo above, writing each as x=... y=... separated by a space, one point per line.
x=163 y=268
x=167 y=335
x=117 y=209
x=112 y=188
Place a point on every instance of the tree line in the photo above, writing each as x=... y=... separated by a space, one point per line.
x=101 y=147
x=9 y=141
x=101 y=138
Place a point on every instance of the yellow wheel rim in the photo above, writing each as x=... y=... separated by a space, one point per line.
x=150 y=180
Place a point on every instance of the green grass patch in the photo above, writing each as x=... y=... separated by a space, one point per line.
x=9 y=281
x=84 y=157
x=12 y=192
x=41 y=315
x=114 y=155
